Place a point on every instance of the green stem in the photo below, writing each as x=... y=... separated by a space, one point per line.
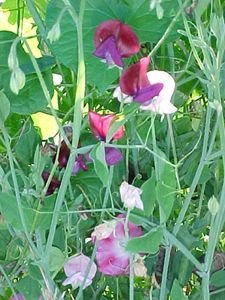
x=80 y=92
x=131 y=278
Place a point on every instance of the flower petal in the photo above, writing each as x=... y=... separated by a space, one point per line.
x=100 y=126
x=126 y=40
x=109 y=52
x=135 y=77
x=148 y=93
x=112 y=156
x=161 y=104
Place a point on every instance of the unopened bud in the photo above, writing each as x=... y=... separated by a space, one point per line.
x=54 y=33
x=17 y=80
x=12 y=58
x=213 y=205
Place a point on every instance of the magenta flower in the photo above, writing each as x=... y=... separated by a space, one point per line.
x=54 y=184
x=153 y=89
x=76 y=268
x=111 y=256
x=100 y=127
x=114 y=40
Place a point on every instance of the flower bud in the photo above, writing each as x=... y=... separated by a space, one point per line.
x=17 y=80
x=12 y=59
x=54 y=33
x=213 y=205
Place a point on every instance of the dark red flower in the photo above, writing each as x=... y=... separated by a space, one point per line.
x=54 y=184
x=64 y=154
x=114 y=40
x=134 y=82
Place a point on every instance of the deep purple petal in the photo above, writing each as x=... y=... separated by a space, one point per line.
x=79 y=165
x=148 y=93
x=108 y=50
x=112 y=156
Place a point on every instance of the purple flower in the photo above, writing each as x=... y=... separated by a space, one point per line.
x=76 y=269
x=153 y=89
x=100 y=127
x=114 y=40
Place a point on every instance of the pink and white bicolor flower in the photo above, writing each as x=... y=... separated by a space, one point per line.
x=113 y=41
x=153 y=89
x=100 y=125
x=111 y=255
x=76 y=268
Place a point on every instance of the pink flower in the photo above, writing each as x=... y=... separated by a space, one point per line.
x=114 y=40
x=153 y=90
x=100 y=127
x=130 y=196
x=76 y=268
x=111 y=256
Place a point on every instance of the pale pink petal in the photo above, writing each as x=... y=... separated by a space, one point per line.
x=75 y=269
x=104 y=230
x=130 y=196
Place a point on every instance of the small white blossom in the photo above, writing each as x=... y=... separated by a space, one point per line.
x=130 y=196
x=104 y=230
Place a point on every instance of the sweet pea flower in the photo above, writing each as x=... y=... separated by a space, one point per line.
x=54 y=184
x=111 y=255
x=100 y=126
x=76 y=268
x=153 y=89
x=63 y=158
x=114 y=40
x=130 y=196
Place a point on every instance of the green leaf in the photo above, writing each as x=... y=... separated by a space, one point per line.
x=101 y=168
x=9 y=209
x=148 y=243
x=166 y=187
x=148 y=195
x=56 y=259
x=217 y=278
x=177 y=292
x=27 y=143
x=4 y=108
x=29 y=287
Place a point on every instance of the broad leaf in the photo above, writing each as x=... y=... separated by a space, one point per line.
x=148 y=243
x=101 y=169
x=4 y=108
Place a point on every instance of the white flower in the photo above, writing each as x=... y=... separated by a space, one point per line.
x=130 y=196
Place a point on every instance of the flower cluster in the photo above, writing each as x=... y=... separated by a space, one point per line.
x=153 y=90
x=114 y=40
